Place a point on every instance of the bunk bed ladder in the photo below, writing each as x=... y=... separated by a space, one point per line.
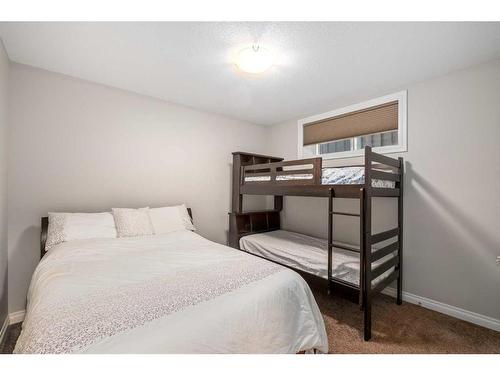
x=332 y=244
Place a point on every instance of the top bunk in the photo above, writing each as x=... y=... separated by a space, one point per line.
x=255 y=174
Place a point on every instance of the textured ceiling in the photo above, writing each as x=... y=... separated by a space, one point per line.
x=319 y=65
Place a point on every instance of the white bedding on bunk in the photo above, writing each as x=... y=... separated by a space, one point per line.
x=308 y=254
x=170 y=293
x=332 y=176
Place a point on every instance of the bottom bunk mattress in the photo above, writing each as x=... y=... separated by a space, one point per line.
x=308 y=254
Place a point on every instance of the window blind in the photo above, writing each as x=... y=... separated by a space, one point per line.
x=380 y=118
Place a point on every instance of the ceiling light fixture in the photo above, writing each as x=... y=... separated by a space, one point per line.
x=254 y=59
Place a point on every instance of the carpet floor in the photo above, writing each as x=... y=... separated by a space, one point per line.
x=406 y=329
x=396 y=329
x=9 y=341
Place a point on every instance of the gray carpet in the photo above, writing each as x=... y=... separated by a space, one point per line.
x=9 y=341
x=405 y=329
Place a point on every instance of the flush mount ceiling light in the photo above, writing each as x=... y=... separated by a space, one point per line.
x=254 y=59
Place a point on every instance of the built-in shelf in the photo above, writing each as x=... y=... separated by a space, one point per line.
x=252 y=222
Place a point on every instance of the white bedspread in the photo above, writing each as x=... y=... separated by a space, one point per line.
x=172 y=293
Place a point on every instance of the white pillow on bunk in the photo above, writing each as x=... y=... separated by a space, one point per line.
x=170 y=219
x=65 y=226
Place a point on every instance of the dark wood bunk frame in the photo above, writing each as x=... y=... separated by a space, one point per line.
x=251 y=222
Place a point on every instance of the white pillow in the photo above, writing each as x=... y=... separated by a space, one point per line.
x=64 y=226
x=170 y=219
x=131 y=222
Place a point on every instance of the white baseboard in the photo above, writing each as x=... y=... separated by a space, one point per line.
x=4 y=328
x=17 y=317
x=456 y=312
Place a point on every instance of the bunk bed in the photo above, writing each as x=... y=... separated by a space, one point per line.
x=355 y=272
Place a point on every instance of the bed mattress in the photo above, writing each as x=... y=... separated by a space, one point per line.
x=332 y=176
x=308 y=254
x=170 y=293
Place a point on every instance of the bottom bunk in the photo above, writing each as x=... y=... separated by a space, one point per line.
x=310 y=255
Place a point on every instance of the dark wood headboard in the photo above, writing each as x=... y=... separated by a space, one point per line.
x=45 y=226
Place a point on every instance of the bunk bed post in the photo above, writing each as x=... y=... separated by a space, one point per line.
x=237 y=198
x=361 y=245
x=399 y=299
x=367 y=215
x=278 y=202
x=330 y=239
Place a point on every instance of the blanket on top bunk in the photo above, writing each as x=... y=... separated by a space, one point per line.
x=332 y=176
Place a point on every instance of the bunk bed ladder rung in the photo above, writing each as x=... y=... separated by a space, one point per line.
x=339 y=246
x=342 y=213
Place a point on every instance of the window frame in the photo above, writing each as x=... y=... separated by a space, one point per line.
x=400 y=97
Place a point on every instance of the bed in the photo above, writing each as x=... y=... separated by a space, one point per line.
x=170 y=293
x=309 y=254
x=359 y=275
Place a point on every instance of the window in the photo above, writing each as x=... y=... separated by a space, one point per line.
x=380 y=123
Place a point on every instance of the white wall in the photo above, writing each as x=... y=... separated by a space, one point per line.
x=452 y=206
x=80 y=146
x=4 y=78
